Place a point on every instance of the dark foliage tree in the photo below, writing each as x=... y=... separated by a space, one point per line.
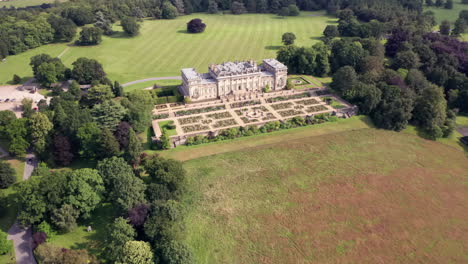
x=196 y=26
x=167 y=172
x=448 y=4
x=122 y=134
x=7 y=175
x=445 y=28
x=90 y=36
x=288 y=38
x=397 y=39
x=117 y=89
x=406 y=60
x=459 y=28
x=344 y=79
x=38 y=239
x=134 y=149
x=331 y=31
x=130 y=26
x=85 y=71
x=109 y=146
x=138 y=214
x=213 y=7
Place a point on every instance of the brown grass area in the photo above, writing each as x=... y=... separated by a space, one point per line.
x=367 y=196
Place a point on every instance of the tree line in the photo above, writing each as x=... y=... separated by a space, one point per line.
x=417 y=76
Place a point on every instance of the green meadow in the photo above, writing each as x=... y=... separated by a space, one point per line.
x=164 y=47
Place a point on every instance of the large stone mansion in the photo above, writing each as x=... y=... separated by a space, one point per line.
x=233 y=78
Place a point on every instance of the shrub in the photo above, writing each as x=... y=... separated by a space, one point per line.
x=196 y=26
x=5 y=245
x=7 y=175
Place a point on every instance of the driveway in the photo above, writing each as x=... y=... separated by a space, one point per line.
x=152 y=79
x=22 y=238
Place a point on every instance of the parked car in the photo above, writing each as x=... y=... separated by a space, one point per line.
x=464 y=140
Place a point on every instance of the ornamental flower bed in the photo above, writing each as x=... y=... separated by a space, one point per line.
x=290 y=112
x=200 y=110
x=261 y=108
x=246 y=103
x=248 y=121
x=316 y=108
x=281 y=106
x=190 y=120
x=269 y=116
x=307 y=102
x=194 y=128
x=221 y=115
x=160 y=116
x=224 y=123
x=289 y=97
x=163 y=106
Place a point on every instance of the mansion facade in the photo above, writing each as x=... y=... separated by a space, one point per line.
x=233 y=78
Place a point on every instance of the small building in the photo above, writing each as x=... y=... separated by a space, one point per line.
x=233 y=78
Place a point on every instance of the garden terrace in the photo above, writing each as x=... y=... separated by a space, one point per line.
x=289 y=97
x=200 y=110
x=221 y=115
x=224 y=123
x=189 y=120
x=194 y=128
x=290 y=112
x=282 y=106
x=244 y=104
x=307 y=102
x=316 y=108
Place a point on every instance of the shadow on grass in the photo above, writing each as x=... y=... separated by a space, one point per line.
x=23 y=80
x=316 y=38
x=121 y=35
x=272 y=47
x=8 y=208
x=184 y=31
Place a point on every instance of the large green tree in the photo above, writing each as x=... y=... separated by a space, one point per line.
x=120 y=232
x=85 y=71
x=40 y=127
x=136 y=252
x=7 y=175
x=109 y=113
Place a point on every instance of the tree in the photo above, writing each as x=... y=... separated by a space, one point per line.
x=90 y=36
x=109 y=146
x=138 y=214
x=288 y=38
x=429 y=2
x=122 y=134
x=439 y=3
x=448 y=4
x=40 y=127
x=173 y=252
x=169 y=11
x=120 y=232
x=430 y=110
x=238 y=8
x=406 y=60
x=48 y=253
x=31 y=202
x=85 y=71
x=284 y=11
x=212 y=7
x=365 y=96
x=6 y=117
x=39 y=59
x=139 y=105
x=122 y=186
x=117 y=89
x=459 y=28
x=167 y=172
x=136 y=252
x=343 y=79
x=165 y=141
x=64 y=218
x=109 y=113
x=445 y=28
x=345 y=52
x=7 y=175
x=50 y=72
x=80 y=15
x=64 y=29
x=103 y=23
x=89 y=136
x=16 y=79
x=293 y=10
x=17 y=131
x=196 y=26
x=5 y=245
x=134 y=149
x=130 y=26
x=84 y=189
x=26 y=104
x=331 y=31
x=100 y=94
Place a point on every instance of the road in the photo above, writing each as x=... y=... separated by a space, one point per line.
x=22 y=238
x=152 y=79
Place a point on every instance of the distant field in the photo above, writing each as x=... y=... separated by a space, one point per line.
x=363 y=196
x=163 y=47
x=23 y=3
x=447 y=14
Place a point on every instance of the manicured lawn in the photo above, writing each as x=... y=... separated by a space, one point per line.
x=334 y=103
x=462 y=120
x=143 y=85
x=23 y=3
x=163 y=47
x=359 y=196
x=92 y=241
x=192 y=152
x=164 y=125
x=451 y=15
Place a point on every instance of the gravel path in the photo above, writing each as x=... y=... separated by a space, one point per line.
x=152 y=79
x=22 y=238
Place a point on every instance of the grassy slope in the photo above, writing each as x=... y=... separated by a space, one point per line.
x=163 y=47
x=363 y=196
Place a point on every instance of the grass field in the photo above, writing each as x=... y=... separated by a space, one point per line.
x=361 y=196
x=164 y=47
x=451 y=15
x=23 y=3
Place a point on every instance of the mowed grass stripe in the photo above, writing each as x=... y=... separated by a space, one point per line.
x=160 y=50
